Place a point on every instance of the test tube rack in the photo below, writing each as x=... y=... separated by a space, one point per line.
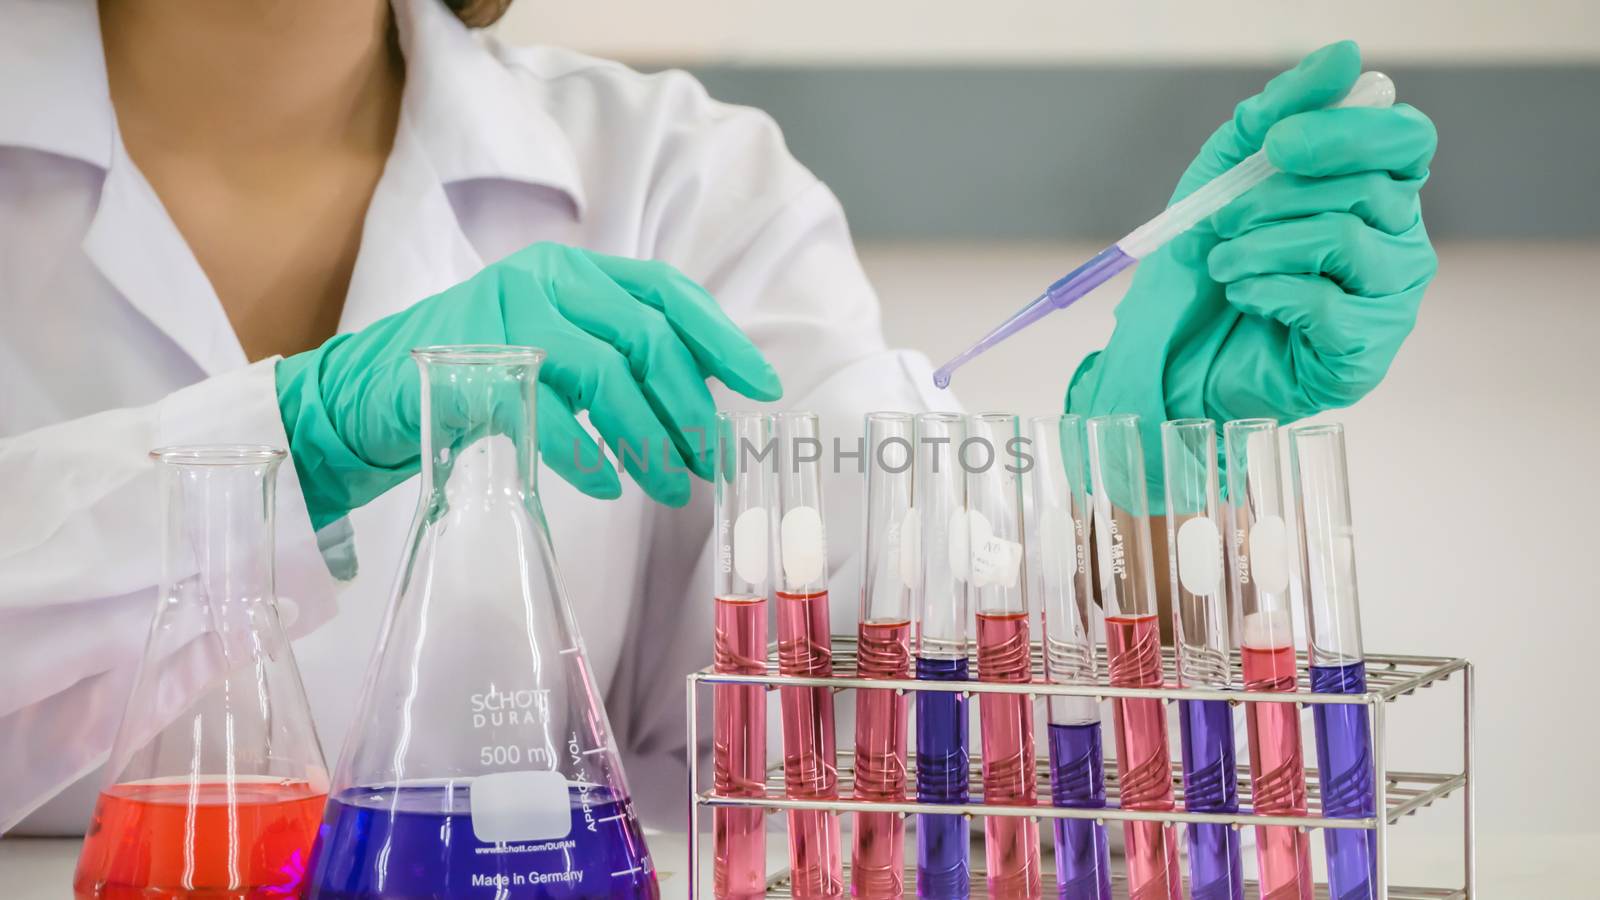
x=1390 y=679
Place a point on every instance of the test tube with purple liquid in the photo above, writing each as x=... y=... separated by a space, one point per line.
x=942 y=637
x=1058 y=536
x=1333 y=617
x=1203 y=631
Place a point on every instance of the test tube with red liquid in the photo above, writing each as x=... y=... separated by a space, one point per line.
x=883 y=647
x=746 y=517
x=1133 y=650
x=1258 y=550
x=1338 y=664
x=1058 y=537
x=994 y=461
x=942 y=635
x=805 y=648
x=1203 y=632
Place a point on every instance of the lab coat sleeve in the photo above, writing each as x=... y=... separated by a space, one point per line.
x=770 y=242
x=80 y=558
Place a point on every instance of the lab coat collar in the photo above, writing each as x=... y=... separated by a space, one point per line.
x=465 y=116
x=476 y=119
x=53 y=93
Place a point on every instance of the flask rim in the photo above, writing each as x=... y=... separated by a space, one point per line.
x=480 y=354
x=218 y=454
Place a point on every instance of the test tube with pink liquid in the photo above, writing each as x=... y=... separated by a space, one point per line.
x=1258 y=551
x=883 y=650
x=746 y=512
x=805 y=648
x=1133 y=650
x=994 y=460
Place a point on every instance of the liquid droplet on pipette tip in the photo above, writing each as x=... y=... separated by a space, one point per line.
x=941 y=379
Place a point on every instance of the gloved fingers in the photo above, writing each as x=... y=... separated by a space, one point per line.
x=1361 y=259
x=1400 y=140
x=1351 y=337
x=718 y=346
x=1321 y=78
x=1388 y=204
x=570 y=452
x=666 y=371
x=590 y=375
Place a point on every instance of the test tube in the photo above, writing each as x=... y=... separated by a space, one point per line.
x=994 y=459
x=1258 y=553
x=805 y=648
x=1059 y=535
x=1133 y=649
x=883 y=650
x=1333 y=615
x=939 y=602
x=746 y=504
x=1203 y=632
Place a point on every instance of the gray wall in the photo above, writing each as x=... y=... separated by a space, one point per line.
x=1090 y=151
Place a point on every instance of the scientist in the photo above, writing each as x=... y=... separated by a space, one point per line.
x=230 y=222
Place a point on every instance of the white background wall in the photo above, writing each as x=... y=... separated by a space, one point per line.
x=1055 y=31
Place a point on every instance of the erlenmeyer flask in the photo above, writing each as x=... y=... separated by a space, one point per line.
x=482 y=762
x=216 y=782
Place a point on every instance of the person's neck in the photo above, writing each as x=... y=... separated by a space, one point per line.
x=252 y=78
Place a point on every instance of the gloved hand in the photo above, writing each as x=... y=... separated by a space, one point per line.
x=631 y=341
x=1294 y=298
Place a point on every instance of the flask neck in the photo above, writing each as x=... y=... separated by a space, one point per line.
x=478 y=414
x=218 y=530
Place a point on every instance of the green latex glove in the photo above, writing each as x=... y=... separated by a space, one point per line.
x=1294 y=298
x=631 y=341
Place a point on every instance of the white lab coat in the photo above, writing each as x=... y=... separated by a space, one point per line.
x=112 y=341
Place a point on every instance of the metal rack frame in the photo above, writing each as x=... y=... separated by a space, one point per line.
x=1398 y=793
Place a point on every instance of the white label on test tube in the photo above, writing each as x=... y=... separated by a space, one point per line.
x=996 y=562
x=805 y=557
x=750 y=545
x=1199 y=556
x=1269 y=554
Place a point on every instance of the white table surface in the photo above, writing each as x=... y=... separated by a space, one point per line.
x=1549 y=867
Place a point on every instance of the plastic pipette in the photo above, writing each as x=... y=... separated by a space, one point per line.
x=1372 y=89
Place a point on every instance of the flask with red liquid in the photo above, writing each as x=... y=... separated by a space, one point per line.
x=216 y=780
